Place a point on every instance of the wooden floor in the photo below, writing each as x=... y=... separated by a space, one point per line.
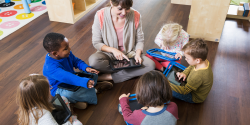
x=228 y=103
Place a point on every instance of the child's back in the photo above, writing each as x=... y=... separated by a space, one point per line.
x=167 y=116
x=153 y=90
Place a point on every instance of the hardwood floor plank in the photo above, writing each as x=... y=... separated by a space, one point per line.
x=22 y=53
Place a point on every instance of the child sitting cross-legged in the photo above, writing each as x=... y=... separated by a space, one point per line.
x=199 y=75
x=154 y=92
x=33 y=100
x=59 y=68
x=171 y=38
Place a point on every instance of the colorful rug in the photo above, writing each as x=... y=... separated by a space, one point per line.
x=13 y=17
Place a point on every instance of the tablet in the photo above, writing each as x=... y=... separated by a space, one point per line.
x=172 y=77
x=68 y=87
x=133 y=104
x=84 y=75
x=61 y=113
x=123 y=64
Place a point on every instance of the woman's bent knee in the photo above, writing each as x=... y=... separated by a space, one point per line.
x=149 y=64
x=93 y=60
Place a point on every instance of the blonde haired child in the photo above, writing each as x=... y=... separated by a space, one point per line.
x=171 y=38
x=33 y=100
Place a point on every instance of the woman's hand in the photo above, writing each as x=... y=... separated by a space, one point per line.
x=178 y=55
x=124 y=95
x=118 y=54
x=119 y=65
x=90 y=70
x=138 y=58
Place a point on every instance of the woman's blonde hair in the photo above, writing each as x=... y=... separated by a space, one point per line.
x=32 y=92
x=170 y=33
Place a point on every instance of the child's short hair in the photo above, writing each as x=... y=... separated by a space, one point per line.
x=32 y=92
x=52 y=41
x=153 y=89
x=175 y=30
x=197 y=48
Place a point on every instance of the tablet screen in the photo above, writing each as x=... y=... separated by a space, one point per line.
x=61 y=113
x=121 y=64
x=172 y=77
x=134 y=105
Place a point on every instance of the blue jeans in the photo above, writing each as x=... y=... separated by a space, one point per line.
x=82 y=94
x=186 y=98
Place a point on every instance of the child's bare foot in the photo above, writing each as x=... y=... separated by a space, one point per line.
x=104 y=77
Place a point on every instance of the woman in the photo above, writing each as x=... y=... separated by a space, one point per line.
x=117 y=35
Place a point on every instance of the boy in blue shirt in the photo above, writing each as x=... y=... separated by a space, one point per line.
x=58 y=68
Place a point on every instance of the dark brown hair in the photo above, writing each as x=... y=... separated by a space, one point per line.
x=153 y=89
x=197 y=48
x=124 y=3
x=32 y=92
x=52 y=41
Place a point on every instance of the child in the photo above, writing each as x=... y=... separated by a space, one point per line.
x=34 y=106
x=199 y=74
x=152 y=90
x=59 y=68
x=171 y=38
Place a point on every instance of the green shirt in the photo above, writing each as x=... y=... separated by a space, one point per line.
x=199 y=83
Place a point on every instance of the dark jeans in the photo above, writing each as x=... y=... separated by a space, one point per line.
x=82 y=94
x=186 y=98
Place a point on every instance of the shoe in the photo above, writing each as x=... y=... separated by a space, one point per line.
x=81 y=105
x=103 y=86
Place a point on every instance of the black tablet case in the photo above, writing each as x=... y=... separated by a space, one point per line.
x=173 y=78
x=113 y=62
x=61 y=113
x=134 y=105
